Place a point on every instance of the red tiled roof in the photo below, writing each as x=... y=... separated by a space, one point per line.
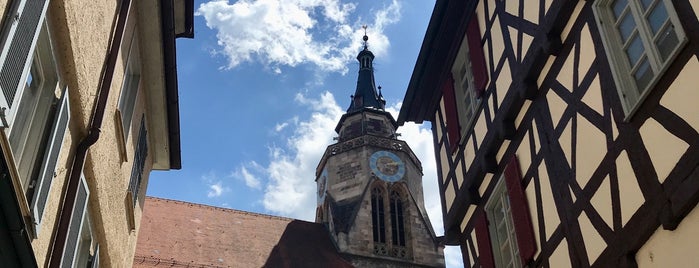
x=180 y=234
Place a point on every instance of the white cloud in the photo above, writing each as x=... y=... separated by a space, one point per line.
x=215 y=190
x=214 y=184
x=291 y=186
x=292 y=32
x=250 y=180
x=280 y=127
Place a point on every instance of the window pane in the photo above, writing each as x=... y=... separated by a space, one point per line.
x=626 y=27
x=462 y=71
x=646 y=3
x=618 y=7
x=467 y=100
x=657 y=17
x=643 y=75
x=667 y=41
x=635 y=50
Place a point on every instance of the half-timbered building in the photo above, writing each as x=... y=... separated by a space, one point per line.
x=565 y=132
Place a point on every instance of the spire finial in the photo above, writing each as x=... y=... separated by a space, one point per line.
x=365 y=38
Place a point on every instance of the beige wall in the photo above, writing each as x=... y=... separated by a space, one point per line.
x=676 y=248
x=80 y=30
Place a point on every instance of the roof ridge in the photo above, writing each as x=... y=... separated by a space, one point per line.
x=220 y=208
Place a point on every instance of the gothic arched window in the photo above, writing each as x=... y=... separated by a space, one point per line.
x=377 y=215
x=397 y=222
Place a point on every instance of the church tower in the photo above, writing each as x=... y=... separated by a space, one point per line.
x=370 y=186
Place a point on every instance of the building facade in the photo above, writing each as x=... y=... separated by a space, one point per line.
x=370 y=186
x=88 y=107
x=565 y=132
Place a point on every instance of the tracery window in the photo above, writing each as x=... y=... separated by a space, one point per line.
x=377 y=215
x=397 y=223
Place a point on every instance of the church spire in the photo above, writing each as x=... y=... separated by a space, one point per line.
x=365 y=96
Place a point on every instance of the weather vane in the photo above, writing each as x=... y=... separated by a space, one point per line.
x=365 y=38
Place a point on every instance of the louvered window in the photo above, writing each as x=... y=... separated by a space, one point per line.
x=78 y=229
x=39 y=126
x=139 y=162
x=21 y=26
x=36 y=105
x=641 y=37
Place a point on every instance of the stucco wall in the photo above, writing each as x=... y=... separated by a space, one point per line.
x=81 y=31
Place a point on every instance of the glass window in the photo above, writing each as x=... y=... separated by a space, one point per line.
x=38 y=101
x=640 y=38
x=129 y=89
x=466 y=101
x=501 y=227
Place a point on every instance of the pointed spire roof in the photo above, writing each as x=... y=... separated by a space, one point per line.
x=365 y=96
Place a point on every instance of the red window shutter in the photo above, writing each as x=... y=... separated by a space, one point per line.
x=452 y=118
x=485 y=249
x=480 y=72
x=520 y=211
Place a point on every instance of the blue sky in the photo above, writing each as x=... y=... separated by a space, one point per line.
x=262 y=87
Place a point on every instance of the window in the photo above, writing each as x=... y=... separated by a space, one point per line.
x=468 y=81
x=466 y=101
x=641 y=37
x=501 y=227
x=39 y=124
x=129 y=89
x=36 y=104
x=16 y=54
x=397 y=223
x=79 y=241
x=139 y=163
x=397 y=246
x=397 y=226
x=377 y=220
x=505 y=221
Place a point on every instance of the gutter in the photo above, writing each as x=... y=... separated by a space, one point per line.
x=66 y=210
x=167 y=11
x=171 y=91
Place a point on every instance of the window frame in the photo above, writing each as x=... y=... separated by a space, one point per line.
x=462 y=72
x=13 y=41
x=130 y=89
x=137 y=172
x=34 y=110
x=490 y=208
x=630 y=95
x=73 y=254
x=43 y=118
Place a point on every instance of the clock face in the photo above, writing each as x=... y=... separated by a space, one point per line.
x=387 y=166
